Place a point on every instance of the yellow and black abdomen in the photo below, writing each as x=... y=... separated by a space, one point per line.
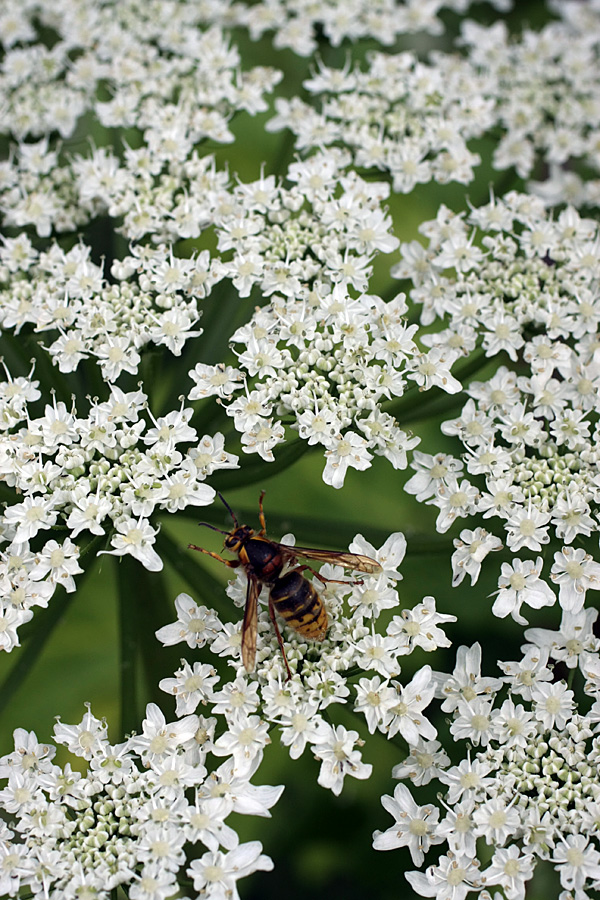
x=298 y=603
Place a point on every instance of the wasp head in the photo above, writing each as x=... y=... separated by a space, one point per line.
x=238 y=537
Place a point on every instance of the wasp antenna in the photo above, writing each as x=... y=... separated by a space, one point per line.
x=214 y=527
x=228 y=508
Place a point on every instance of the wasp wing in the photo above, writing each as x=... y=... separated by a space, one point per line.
x=336 y=557
x=250 y=623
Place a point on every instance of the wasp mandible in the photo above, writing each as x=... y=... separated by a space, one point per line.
x=292 y=595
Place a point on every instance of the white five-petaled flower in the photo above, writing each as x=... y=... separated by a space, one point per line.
x=335 y=748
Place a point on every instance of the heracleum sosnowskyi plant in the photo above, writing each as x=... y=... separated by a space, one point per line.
x=344 y=243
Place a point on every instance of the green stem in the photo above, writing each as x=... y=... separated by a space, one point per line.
x=127 y=587
x=155 y=609
x=144 y=606
x=285 y=154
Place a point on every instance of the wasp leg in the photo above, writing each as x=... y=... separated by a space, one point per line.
x=261 y=515
x=232 y=563
x=322 y=578
x=279 y=638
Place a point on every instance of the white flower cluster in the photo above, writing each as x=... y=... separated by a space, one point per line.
x=323 y=673
x=325 y=366
x=320 y=228
x=510 y=279
x=167 y=81
x=298 y=24
x=413 y=119
x=527 y=786
x=547 y=91
x=82 y=472
x=64 y=295
x=162 y=71
x=396 y=114
x=134 y=818
x=170 y=83
x=323 y=356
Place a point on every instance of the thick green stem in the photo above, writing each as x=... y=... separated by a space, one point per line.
x=127 y=586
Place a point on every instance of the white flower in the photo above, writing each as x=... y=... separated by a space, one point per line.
x=218 y=380
x=191 y=686
x=495 y=821
x=237 y=697
x=406 y=715
x=458 y=828
x=335 y=749
x=170 y=430
x=377 y=653
x=87 y=513
x=419 y=627
x=160 y=738
x=346 y=450
x=451 y=879
x=262 y=437
x=244 y=741
x=431 y=471
x=576 y=572
x=576 y=862
x=301 y=726
x=11 y=619
x=466 y=681
x=573 y=641
x=473 y=721
x=374 y=699
x=433 y=369
x=510 y=868
x=454 y=500
x=415 y=826
x=425 y=761
x=28 y=517
x=216 y=873
x=553 y=704
x=86 y=739
x=204 y=821
x=389 y=555
x=521 y=583
x=513 y=725
x=524 y=675
x=241 y=796
x=195 y=624
x=136 y=537
x=59 y=563
x=472 y=547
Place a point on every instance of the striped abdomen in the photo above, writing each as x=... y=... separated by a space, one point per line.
x=298 y=603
